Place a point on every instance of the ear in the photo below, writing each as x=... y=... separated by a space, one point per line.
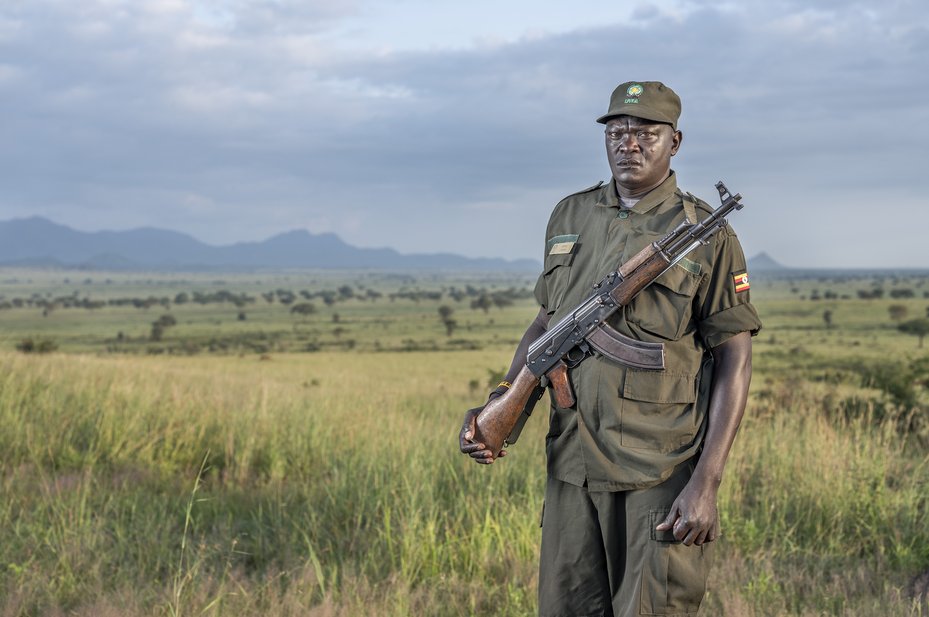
x=676 y=140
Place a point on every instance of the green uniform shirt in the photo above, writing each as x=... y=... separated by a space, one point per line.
x=630 y=428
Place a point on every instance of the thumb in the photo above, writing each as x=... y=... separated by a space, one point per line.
x=668 y=521
x=470 y=422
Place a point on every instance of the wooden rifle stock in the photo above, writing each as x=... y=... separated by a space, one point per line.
x=498 y=418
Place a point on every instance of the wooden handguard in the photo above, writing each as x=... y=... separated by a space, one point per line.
x=650 y=267
x=499 y=416
x=637 y=260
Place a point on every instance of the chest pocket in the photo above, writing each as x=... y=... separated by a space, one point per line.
x=665 y=307
x=658 y=410
x=557 y=276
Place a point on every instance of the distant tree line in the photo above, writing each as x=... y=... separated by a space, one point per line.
x=480 y=298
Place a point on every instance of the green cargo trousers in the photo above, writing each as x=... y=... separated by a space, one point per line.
x=601 y=555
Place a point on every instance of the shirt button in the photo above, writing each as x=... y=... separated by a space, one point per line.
x=623 y=214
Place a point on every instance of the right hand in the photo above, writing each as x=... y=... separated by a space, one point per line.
x=475 y=449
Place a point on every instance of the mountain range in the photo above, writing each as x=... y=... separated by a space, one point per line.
x=37 y=241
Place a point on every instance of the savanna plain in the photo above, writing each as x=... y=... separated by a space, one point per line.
x=285 y=443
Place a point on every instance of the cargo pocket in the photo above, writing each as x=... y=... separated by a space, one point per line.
x=557 y=276
x=673 y=575
x=657 y=409
x=665 y=307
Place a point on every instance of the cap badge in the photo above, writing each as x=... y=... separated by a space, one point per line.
x=633 y=93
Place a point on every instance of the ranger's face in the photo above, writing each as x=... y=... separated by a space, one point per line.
x=639 y=152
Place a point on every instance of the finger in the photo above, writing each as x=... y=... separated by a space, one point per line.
x=712 y=534
x=681 y=528
x=484 y=461
x=468 y=448
x=502 y=453
x=701 y=537
x=481 y=454
x=470 y=421
x=692 y=534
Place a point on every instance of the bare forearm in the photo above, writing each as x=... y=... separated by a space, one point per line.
x=534 y=331
x=732 y=375
x=693 y=517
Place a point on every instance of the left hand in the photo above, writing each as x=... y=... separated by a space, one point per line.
x=476 y=450
x=693 y=516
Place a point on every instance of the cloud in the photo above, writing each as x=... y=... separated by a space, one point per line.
x=168 y=113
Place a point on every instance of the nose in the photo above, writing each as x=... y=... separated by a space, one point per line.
x=628 y=142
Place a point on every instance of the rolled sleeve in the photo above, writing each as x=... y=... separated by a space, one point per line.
x=541 y=292
x=723 y=311
x=727 y=323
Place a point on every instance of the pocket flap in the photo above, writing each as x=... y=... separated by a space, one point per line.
x=553 y=261
x=659 y=387
x=681 y=279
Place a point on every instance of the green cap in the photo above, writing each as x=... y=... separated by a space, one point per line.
x=651 y=100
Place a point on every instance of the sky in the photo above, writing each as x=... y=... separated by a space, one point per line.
x=456 y=127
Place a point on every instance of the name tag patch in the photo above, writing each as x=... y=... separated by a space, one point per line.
x=562 y=245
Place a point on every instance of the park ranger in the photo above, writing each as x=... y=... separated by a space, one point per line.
x=635 y=465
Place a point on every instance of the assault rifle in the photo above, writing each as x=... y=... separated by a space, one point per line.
x=566 y=343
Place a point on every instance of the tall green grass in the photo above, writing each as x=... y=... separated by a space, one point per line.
x=330 y=484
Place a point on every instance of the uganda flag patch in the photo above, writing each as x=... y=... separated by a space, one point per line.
x=740 y=280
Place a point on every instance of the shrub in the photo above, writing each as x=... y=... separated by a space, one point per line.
x=37 y=345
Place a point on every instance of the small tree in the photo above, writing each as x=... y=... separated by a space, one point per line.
x=483 y=302
x=827 y=318
x=158 y=327
x=445 y=314
x=917 y=327
x=303 y=308
x=897 y=311
x=167 y=321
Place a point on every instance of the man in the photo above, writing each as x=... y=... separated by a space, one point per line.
x=634 y=467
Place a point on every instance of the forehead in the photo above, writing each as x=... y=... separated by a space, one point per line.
x=617 y=122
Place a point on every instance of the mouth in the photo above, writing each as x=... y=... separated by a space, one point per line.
x=627 y=163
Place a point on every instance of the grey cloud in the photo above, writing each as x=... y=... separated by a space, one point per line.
x=140 y=116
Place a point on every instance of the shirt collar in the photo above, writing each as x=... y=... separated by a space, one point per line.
x=655 y=197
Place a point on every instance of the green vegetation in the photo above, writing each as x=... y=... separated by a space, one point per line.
x=266 y=467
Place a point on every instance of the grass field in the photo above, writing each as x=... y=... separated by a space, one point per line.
x=266 y=466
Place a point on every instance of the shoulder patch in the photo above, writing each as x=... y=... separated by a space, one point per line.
x=740 y=281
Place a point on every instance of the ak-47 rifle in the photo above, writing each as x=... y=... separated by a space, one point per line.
x=568 y=342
